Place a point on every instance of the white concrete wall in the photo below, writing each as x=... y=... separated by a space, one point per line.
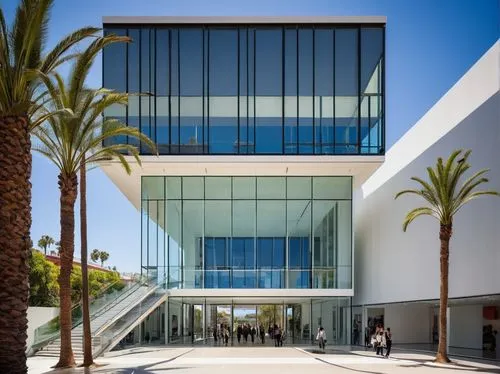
x=466 y=326
x=393 y=266
x=409 y=323
x=37 y=316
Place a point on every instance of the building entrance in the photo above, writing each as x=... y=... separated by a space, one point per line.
x=212 y=321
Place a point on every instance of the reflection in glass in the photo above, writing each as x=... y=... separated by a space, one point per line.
x=296 y=89
x=205 y=235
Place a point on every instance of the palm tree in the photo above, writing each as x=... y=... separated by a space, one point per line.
x=444 y=199
x=45 y=242
x=74 y=140
x=94 y=256
x=23 y=60
x=103 y=256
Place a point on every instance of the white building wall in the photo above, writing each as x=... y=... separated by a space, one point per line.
x=466 y=326
x=393 y=266
x=37 y=316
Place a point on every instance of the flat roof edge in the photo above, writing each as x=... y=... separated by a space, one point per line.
x=243 y=19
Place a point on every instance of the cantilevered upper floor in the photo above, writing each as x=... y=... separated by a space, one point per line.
x=251 y=85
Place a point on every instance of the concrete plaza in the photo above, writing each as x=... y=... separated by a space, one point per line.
x=288 y=360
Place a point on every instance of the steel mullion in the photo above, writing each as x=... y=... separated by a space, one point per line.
x=359 y=90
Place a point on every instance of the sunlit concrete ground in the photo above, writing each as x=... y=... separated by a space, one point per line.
x=253 y=360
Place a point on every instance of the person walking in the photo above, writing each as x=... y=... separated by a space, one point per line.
x=253 y=332
x=380 y=338
x=215 y=335
x=245 y=332
x=321 y=338
x=367 y=337
x=388 y=342
x=277 y=336
x=239 y=331
x=262 y=333
x=226 y=335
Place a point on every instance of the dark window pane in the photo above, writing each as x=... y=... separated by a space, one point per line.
x=220 y=253
x=133 y=61
x=346 y=90
x=323 y=87
x=279 y=253
x=162 y=62
x=145 y=60
x=291 y=109
x=268 y=100
x=191 y=90
x=306 y=253
x=209 y=253
x=162 y=90
x=264 y=252
x=249 y=253
x=174 y=91
x=238 y=253
x=223 y=70
x=305 y=69
x=244 y=145
x=115 y=60
x=294 y=258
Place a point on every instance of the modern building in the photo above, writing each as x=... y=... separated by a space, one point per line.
x=264 y=127
x=272 y=198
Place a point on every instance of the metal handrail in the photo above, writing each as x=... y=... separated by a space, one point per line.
x=119 y=299
x=150 y=289
x=75 y=322
x=106 y=341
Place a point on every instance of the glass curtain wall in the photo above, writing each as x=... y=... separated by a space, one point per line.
x=278 y=89
x=247 y=232
x=204 y=320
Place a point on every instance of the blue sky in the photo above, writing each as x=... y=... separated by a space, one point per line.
x=429 y=46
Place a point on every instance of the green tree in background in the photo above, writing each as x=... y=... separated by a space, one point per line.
x=444 y=198
x=98 y=255
x=268 y=315
x=103 y=256
x=94 y=256
x=45 y=242
x=44 y=289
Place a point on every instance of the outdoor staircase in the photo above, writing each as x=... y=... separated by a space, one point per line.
x=126 y=312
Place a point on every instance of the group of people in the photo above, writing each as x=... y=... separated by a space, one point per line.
x=380 y=339
x=246 y=330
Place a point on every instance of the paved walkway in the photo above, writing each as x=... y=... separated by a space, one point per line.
x=289 y=360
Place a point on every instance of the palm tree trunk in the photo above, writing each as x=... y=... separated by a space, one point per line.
x=444 y=235
x=87 y=340
x=68 y=184
x=15 y=243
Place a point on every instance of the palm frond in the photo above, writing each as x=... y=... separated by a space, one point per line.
x=77 y=135
x=417 y=212
x=53 y=58
x=83 y=64
x=4 y=41
x=471 y=181
x=475 y=195
x=440 y=192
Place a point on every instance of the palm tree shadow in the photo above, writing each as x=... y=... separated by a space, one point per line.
x=456 y=367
